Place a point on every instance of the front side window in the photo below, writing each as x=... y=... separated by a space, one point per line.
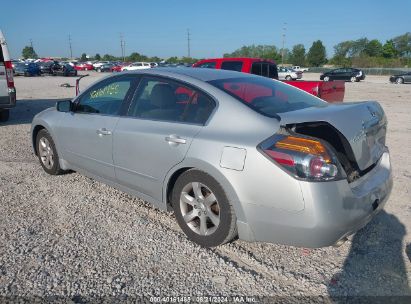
x=232 y=65
x=266 y=96
x=167 y=100
x=105 y=97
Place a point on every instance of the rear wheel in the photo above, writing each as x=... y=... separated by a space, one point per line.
x=4 y=115
x=288 y=77
x=326 y=78
x=399 y=80
x=47 y=153
x=202 y=209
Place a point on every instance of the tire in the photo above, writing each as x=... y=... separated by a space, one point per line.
x=99 y=70
x=47 y=153
x=353 y=79
x=215 y=212
x=288 y=78
x=399 y=80
x=326 y=78
x=4 y=115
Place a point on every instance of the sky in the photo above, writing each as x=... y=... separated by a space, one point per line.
x=159 y=27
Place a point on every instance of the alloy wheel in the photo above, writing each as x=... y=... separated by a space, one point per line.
x=199 y=208
x=46 y=153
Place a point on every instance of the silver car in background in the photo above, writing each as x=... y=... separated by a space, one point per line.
x=289 y=74
x=232 y=154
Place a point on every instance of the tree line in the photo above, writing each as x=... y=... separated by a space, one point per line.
x=395 y=52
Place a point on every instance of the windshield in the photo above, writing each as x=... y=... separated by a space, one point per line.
x=266 y=96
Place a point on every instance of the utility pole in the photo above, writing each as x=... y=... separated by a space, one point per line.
x=188 y=43
x=282 y=50
x=71 y=50
x=31 y=43
x=122 y=45
x=124 y=50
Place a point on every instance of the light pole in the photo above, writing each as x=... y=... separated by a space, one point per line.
x=282 y=50
x=71 y=50
x=188 y=43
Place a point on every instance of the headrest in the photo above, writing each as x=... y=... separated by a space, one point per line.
x=162 y=96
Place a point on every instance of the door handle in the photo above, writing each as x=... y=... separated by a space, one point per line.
x=174 y=139
x=103 y=131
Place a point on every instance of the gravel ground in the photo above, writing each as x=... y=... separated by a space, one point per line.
x=74 y=237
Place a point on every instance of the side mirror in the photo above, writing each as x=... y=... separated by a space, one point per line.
x=64 y=106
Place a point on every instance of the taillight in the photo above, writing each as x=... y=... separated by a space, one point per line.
x=9 y=74
x=302 y=157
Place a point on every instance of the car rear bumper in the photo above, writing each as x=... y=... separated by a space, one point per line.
x=332 y=211
x=7 y=102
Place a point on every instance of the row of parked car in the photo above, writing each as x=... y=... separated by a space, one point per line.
x=36 y=69
x=53 y=67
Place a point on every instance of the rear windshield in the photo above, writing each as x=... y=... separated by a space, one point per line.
x=266 y=96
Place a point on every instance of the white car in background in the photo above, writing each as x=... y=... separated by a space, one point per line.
x=299 y=69
x=137 y=66
x=98 y=64
x=288 y=74
x=7 y=89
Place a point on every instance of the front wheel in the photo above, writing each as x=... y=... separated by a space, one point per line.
x=202 y=209
x=47 y=153
x=326 y=78
x=353 y=79
x=399 y=80
x=288 y=78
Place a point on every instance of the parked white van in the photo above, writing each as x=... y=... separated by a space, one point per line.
x=7 y=89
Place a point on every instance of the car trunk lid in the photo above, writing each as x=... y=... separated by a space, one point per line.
x=362 y=124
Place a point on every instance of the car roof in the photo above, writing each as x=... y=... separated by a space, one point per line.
x=203 y=74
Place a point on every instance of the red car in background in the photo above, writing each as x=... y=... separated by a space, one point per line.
x=331 y=91
x=117 y=67
x=84 y=67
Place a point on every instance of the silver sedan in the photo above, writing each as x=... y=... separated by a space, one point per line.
x=232 y=154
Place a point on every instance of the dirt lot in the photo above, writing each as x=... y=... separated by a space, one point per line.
x=73 y=237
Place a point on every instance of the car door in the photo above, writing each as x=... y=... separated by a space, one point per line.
x=86 y=133
x=337 y=74
x=163 y=118
x=407 y=77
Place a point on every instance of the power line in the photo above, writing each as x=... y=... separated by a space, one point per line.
x=71 y=50
x=188 y=43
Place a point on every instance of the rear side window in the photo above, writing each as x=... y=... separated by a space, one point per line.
x=1 y=54
x=167 y=100
x=232 y=65
x=266 y=96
